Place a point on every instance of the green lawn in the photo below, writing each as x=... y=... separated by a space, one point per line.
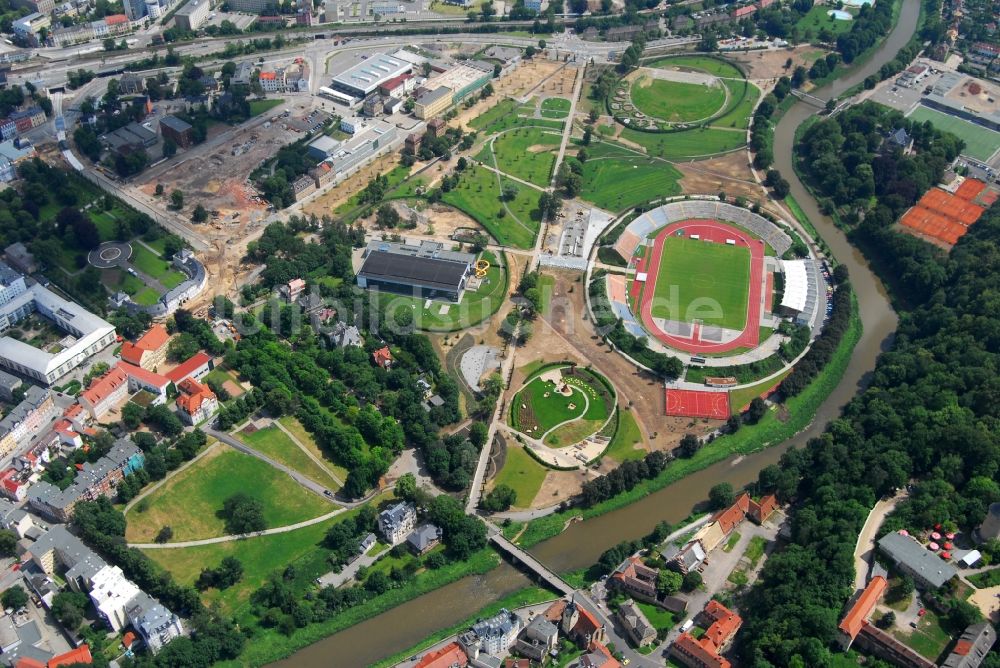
x=694 y=143
x=258 y=107
x=616 y=177
x=292 y=424
x=980 y=142
x=495 y=114
x=711 y=282
x=675 y=101
x=107 y=226
x=716 y=66
x=278 y=446
x=525 y=153
x=146 y=297
x=532 y=410
x=662 y=620
x=744 y=395
x=817 y=20
x=739 y=113
x=623 y=445
x=506 y=116
x=522 y=473
x=394 y=178
x=475 y=306
x=986 y=579
x=478 y=195
x=928 y=639
x=147 y=262
x=555 y=107
x=190 y=501
x=261 y=556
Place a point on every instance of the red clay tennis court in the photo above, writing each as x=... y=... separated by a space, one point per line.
x=697 y=403
x=943 y=216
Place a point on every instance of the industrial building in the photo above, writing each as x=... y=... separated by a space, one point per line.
x=365 y=77
x=463 y=79
x=426 y=270
x=177 y=130
x=433 y=102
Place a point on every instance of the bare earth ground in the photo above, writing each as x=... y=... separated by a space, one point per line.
x=435 y=220
x=770 y=64
x=517 y=84
x=730 y=173
x=337 y=195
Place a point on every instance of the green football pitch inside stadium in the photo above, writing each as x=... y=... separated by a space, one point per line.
x=711 y=282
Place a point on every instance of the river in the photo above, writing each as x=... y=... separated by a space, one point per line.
x=581 y=544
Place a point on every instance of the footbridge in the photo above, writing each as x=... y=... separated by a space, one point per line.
x=806 y=97
x=529 y=562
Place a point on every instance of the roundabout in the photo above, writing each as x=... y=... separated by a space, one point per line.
x=110 y=254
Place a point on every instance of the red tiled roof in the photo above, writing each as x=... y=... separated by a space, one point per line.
x=725 y=625
x=382 y=355
x=392 y=83
x=73 y=410
x=146 y=377
x=188 y=366
x=79 y=655
x=609 y=660
x=193 y=394
x=28 y=662
x=103 y=387
x=587 y=623
x=115 y=19
x=856 y=616
x=154 y=338
x=128 y=639
x=268 y=75
x=703 y=651
x=761 y=511
x=446 y=657
x=731 y=517
x=962 y=647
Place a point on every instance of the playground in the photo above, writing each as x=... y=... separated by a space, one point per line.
x=561 y=405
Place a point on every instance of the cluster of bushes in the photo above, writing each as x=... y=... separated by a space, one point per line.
x=623 y=478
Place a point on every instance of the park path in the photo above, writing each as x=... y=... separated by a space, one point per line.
x=241 y=536
x=316 y=460
x=865 y=547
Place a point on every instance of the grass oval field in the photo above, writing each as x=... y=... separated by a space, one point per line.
x=542 y=412
x=676 y=101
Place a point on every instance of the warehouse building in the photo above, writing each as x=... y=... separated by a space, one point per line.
x=365 y=77
x=426 y=270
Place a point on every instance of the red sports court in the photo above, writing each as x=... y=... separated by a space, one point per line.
x=698 y=404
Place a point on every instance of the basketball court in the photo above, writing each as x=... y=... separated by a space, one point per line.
x=697 y=404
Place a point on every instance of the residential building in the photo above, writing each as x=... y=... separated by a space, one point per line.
x=972 y=647
x=397 y=522
x=131 y=84
x=581 y=626
x=424 y=538
x=449 y=656
x=270 y=82
x=343 y=335
x=433 y=102
x=436 y=127
x=93 y=480
x=705 y=652
x=28 y=119
x=18 y=255
x=91 y=334
x=426 y=270
x=27 y=28
x=180 y=132
x=196 y=402
x=926 y=568
x=110 y=592
x=26 y=419
x=243 y=75
x=858 y=613
x=8 y=384
x=540 y=637
x=382 y=357
x=397 y=86
x=598 y=656
x=155 y=623
x=135 y=9
x=875 y=641
x=372 y=105
x=493 y=636
x=688 y=558
x=635 y=578
x=105 y=392
x=74 y=657
x=12 y=285
x=150 y=350
x=39 y=6
x=14 y=484
x=192 y=15
x=636 y=624
x=252 y=6
x=197 y=367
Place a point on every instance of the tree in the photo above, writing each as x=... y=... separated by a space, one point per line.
x=668 y=582
x=509 y=192
x=132 y=415
x=177 y=200
x=387 y=217
x=243 y=514
x=478 y=433
x=199 y=215
x=500 y=498
x=164 y=534
x=159 y=190
x=14 y=598
x=68 y=607
x=721 y=496
x=692 y=580
x=8 y=543
x=756 y=411
x=689 y=445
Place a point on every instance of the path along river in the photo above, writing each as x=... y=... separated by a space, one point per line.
x=583 y=542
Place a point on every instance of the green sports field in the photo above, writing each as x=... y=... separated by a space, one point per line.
x=675 y=101
x=617 y=177
x=705 y=278
x=716 y=66
x=980 y=143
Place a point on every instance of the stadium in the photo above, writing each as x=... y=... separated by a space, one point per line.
x=711 y=283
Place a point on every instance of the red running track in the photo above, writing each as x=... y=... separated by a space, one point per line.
x=710 y=231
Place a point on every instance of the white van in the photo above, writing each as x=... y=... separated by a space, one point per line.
x=688 y=625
